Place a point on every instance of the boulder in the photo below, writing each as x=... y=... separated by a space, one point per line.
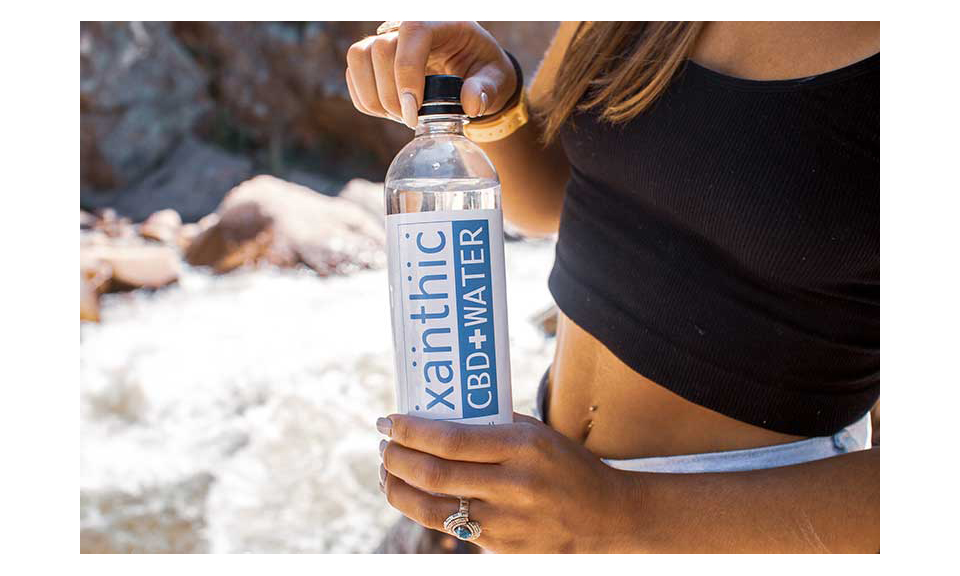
x=140 y=93
x=111 y=225
x=175 y=114
x=114 y=263
x=366 y=194
x=192 y=180
x=87 y=220
x=162 y=226
x=314 y=181
x=280 y=86
x=190 y=231
x=131 y=265
x=268 y=220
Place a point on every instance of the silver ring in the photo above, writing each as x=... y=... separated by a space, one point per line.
x=460 y=525
x=389 y=26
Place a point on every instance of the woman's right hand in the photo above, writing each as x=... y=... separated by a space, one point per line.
x=385 y=73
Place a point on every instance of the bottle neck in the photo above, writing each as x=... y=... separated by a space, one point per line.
x=435 y=124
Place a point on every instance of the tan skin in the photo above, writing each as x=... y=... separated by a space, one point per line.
x=539 y=488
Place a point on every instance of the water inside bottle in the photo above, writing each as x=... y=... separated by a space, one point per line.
x=435 y=194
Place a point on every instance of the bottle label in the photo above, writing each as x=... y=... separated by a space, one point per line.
x=448 y=300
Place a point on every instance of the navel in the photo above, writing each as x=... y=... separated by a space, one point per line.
x=589 y=424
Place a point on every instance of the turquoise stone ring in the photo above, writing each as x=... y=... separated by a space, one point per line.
x=460 y=525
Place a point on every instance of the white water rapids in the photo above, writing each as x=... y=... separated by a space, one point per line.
x=236 y=413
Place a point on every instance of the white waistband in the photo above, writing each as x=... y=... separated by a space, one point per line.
x=857 y=436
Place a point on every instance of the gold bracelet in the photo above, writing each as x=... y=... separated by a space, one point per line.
x=505 y=123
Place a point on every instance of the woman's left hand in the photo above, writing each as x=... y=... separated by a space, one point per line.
x=530 y=488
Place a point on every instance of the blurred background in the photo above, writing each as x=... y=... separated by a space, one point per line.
x=235 y=345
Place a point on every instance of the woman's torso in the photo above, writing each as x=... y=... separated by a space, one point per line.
x=598 y=399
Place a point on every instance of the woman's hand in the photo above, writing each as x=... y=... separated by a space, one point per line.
x=385 y=73
x=530 y=488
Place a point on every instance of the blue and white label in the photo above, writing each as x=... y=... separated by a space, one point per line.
x=448 y=299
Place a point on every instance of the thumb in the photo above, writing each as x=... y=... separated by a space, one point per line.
x=487 y=90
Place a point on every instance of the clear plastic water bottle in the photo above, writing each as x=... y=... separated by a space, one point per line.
x=445 y=258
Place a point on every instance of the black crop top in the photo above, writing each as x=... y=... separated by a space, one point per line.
x=726 y=243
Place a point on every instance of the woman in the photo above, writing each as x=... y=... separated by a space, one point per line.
x=715 y=190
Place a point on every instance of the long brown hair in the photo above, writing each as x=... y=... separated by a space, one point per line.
x=619 y=68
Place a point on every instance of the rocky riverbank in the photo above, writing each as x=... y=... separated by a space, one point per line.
x=263 y=221
x=234 y=413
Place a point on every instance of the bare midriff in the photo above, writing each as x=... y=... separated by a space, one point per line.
x=599 y=401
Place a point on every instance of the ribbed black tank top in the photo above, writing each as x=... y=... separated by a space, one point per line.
x=726 y=243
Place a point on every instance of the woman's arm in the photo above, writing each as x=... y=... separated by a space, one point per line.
x=533 y=176
x=830 y=505
x=534 y=490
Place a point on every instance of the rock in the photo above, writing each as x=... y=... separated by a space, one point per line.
x=162 y=226
x=87 y=220
x=131 y=265
x=167 y=518
x=407 y=537
x=268 y=220
x=193 y=180
x=113 y=226
x=546 y=320
x=113 y=263
x=280 y=85
x=271 y=92
x=141 y=266
x=94 y=277
x=140 y=94
x=368 y=195
x=189 y=232
x=315 y=182
x=244 y=236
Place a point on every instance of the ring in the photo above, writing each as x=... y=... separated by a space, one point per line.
x=389 y=26
x=460 y=525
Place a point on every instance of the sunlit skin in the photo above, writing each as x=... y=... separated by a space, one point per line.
x=539 y=488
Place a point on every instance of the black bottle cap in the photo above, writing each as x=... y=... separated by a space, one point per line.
x=441 y=95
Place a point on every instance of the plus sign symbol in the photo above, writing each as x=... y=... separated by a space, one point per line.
x=477 y=339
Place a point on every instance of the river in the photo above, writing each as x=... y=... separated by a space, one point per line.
x=236 y=413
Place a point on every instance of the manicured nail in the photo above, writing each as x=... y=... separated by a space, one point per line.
x=408 y=107
x=383 y=446
x=383 y=474
x=384 y=426
x=483 y=103
x=382 y=489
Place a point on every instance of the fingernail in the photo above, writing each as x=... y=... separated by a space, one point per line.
x=483 y=103
x=382 y=489
x=384 y=426
x=383 y=446
x=408 y=107
x=383 y=474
